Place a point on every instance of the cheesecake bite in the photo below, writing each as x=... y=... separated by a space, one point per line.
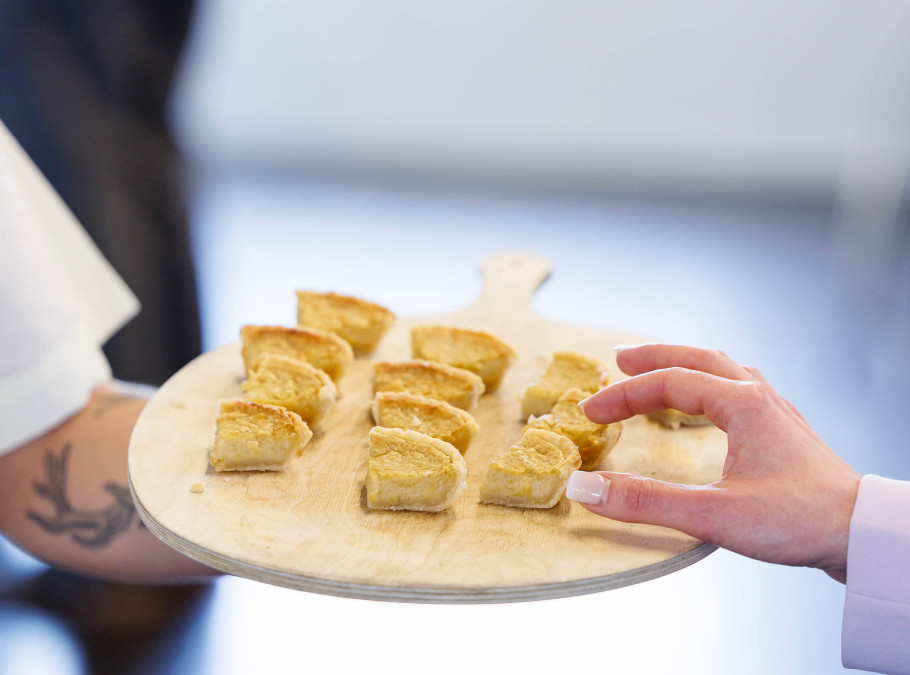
x=400 y=410
x=566 y=371
x=253 y=436
x=533 y=473
x=473 y=350
x=293 y=384
x=321 y=349
x=594 y=441
x=453 y=385
x=360 y=322
x=408 y=470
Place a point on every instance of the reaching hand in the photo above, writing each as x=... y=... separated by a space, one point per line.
x=785 y=496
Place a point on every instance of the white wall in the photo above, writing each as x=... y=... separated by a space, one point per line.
x=734 y=96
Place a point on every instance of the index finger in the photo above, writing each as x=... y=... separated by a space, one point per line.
x=689 y=391
x=645 y=358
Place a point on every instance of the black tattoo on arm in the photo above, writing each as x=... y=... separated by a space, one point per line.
x=90 y=528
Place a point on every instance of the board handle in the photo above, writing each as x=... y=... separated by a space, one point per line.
x=510 y=279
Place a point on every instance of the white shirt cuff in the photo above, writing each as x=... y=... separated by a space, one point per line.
x=876 y=629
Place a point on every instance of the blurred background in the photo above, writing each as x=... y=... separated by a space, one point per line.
x=731 y=176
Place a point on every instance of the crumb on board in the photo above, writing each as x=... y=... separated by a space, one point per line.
x=197 y=487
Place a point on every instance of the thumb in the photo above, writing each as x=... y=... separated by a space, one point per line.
x=634 y=499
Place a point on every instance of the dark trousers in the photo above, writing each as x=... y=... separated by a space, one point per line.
x=84 y=88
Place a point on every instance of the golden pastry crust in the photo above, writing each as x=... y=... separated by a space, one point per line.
x=361 y=322
x=673 y=419
x=534 y=473
x=453 y=385
x=400 y=410
x=594 y=441
x=321 y=349
x=256 y=437
x=293 y=384
x=408 y=470
x=566 y=371
x=472 y=350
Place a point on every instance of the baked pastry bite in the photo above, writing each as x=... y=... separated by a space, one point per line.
x=472 y=350
x=400 y=410
x=673 y=419
x=320 y=348
x=361 y=322
x=567 y=370
x=253 y=436
x=594 y=441
x=534 y=473
x=408 y=470
x=291 y=383
x=453 y=385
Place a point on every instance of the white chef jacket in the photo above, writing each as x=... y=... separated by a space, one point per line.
x=60 y=301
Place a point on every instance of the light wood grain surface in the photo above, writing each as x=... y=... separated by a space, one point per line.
x=308 y=527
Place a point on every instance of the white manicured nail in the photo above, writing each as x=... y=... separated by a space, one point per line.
x=587 y=488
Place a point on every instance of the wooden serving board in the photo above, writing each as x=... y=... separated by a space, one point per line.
x=309 y=528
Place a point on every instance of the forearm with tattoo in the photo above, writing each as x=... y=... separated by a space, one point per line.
x=64 y=496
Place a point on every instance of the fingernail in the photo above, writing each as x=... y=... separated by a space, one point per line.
x=587 y=488
x=583 y=402
x=619 y=348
